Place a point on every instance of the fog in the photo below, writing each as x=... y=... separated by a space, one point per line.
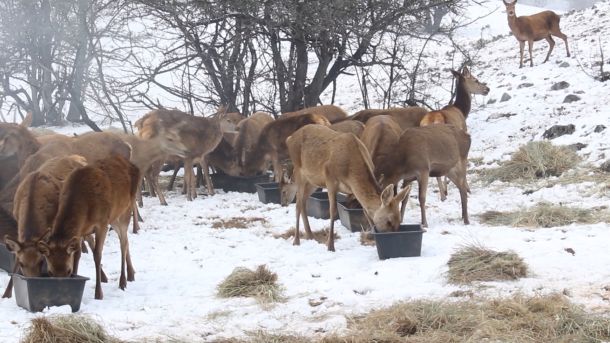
x=561 y=5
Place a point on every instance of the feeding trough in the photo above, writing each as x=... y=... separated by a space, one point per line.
x=318 y=204
x=244 y=184
x=406 y=242
x=269 y=192
x=353 y=218
x=36 y=293
x=7 y=259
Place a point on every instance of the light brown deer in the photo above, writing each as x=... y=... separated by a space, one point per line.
x=533 y=28
x=92 y=198
x=349 y=126
x=331 y=112
x=249 y=133
x=271 y=144
x=199 y=134
x=35 y=207
x=435 y=150
x=339 y=162
x=405 y=117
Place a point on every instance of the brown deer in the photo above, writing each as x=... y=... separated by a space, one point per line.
x=92 y=197
x=436 y=150
x=35 y=207
x=405 y=117
x=249 y=133
x=17 y=143
x=339 y=162
x=331 y=112
x=533 y=28
x=199 y=134
x=349 y=126
x=271 y=144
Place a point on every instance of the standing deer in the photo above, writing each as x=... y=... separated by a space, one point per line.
x=533 y=28
x=339 y=162
x=405 y=117
x=331 y=112
x=93 y=197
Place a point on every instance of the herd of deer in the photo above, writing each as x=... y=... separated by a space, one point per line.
x=59 y=191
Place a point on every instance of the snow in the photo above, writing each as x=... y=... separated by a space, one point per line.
x=180 y=259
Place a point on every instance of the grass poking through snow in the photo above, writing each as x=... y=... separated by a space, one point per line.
x=546 y=215
x=237 y=222
x=260 y=284
x=476 y=263
x=66 y=329
x=320 y=236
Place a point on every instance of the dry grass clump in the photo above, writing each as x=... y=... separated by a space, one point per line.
x=545 y=215
x=266 y=337
x=66 y=329
x=237 y=222
x=534 y=160
x=367 y=238
x=476 y=263
x=320 y=236
x=550 y=318
x=260 y=284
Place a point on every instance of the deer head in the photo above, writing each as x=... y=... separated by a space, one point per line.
x=9 y=143
x=59 y=255
x=171 y=141
x=27 y=256
x=387 y=217
x=288 y=189
x=471 y=84
x=510 y=7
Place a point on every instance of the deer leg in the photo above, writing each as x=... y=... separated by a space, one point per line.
x=530 y=45
x=442 y=188
x=551 y=46
x=91 y=241
x=8 y=292
x=332 y=202
x=170 y=187
x=188 y=179
x=100 y=237
x=560 y=35
x=121 y=226
x=403 y=204
x=153 y=180
x=277 y=168
x=308 y=190
x=422 y=183
x=76 y=261
x=139 y=199
x=136 y=226
x=206 y=173
x=521 y=46
x=458 y=177
x=299 y=208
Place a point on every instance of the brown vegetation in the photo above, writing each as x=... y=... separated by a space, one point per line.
x=474 y=262
x=260 y=284
x=546 y=215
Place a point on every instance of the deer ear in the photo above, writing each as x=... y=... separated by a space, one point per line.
x=466 y=72
x=43 y=248
x=403 y=193
x=456 y=73
x=73 y=245
x=11 y=245
x=387 y=195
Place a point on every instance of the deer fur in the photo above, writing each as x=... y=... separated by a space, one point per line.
x=331 y=112
x=533 y=28
x=248 y=135
x=92 y=197
x=17 y=143
x=271 y=144
x=436 y=150
x=339 y=162
x=199 y=134
x=349 y=126
x=405 y=117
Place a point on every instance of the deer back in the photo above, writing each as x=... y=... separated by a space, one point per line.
x=349 y=126
x=380 y=136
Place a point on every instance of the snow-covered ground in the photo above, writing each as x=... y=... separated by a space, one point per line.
x=180 y=259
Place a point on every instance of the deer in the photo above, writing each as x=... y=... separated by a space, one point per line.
x=339 y=162
x=271 y=144
x=405 y=117
x=533 y=28
x=349 y=126
x=92 y=197
x=248 y=134
x=35 y=207
x=17 y=143
x=435 y=150
x=199 y=134
x=331 y=112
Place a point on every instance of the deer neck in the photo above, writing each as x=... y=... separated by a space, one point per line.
x=145 y=152
x=368 y=195
x=32 y=147
x=462 y=99
x=512 y=23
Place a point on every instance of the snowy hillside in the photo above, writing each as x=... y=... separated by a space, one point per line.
x=180 y=258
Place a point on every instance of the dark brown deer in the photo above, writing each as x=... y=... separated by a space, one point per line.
x=436 y=150
x=533 y=28
x=16 y=144
x=92 y=198
x=339 y=162
x=271 y=145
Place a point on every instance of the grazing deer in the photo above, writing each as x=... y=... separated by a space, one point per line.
x=271 y=144
x=435 y=150
x=331 y=112
x=249 y=133
x=35 y=207
x=533 y=28
x=339 y=162
x=91 y=198
x=228 y=120
x=405 y=117
x=349 y=126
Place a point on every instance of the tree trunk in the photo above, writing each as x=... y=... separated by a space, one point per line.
x=80 y=62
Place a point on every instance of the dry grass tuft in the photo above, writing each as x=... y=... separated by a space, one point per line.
x=550 y=318
x=266 y=337
x=66 y=329
x=367 y=238
x=532 y=161
x=320 y=236
x=546 y=215
x=260 y=284
x=476 y=263
x=237 y=222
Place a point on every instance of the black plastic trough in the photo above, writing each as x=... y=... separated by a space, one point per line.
x=353 y=219
x=268 y=192
x=7 y=259
x=318 y=205
x=36 y=293
x=406 y=242
x=244 y=184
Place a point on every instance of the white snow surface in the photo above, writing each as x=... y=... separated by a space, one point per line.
x=180 y=259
